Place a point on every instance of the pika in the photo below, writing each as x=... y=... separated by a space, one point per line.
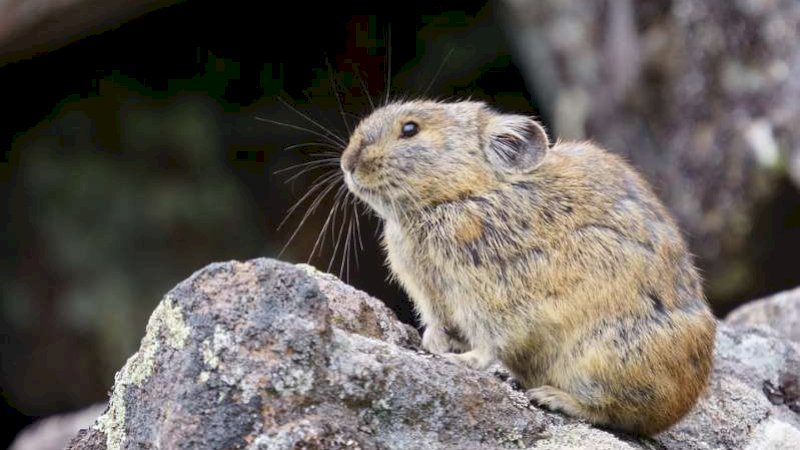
x=558 y=260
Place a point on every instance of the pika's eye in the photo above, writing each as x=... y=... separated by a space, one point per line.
x=409 y=129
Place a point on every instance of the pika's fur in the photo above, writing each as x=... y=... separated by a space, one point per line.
x=559 y=260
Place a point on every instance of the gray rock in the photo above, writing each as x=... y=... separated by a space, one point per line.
x=357 y=312
x=268 y=355
x=780 y=312
x=55 y=432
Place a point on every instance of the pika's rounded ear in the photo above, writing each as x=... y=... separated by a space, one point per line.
x=515 y=144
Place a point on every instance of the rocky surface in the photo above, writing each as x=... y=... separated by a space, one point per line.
x=268 y=355
x=781 y=312
x=701 y=96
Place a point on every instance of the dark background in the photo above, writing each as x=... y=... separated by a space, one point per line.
x=134 y=157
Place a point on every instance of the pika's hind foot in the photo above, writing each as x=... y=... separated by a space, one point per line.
x=557 y=400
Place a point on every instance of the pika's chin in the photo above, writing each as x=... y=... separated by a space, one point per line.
x=367 y=195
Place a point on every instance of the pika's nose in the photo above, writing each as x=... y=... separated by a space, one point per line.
x=351 y=156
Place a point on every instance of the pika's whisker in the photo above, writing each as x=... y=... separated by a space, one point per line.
x=378 y=227
x=325 y=225
x=337 y=155
x=388 y=64
x=313 y=144
x=319 y=182
x=309 y=211
x=364 y=87
x=338 y=241
x=334 y=86
x=346 y=255
x=314 y=122
x=337 y=238
x=334 y=142
x=356 y=233
x=354 y=202
x=329 y=166
x=438 y=71
x=330 y=184
x=307 y=163
x=340 y=195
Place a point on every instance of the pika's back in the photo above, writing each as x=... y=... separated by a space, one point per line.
x=605 y=228
x=580 y=186
x=584 y=218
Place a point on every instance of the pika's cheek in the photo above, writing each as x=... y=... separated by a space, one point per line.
x=404 y=165
x=414 y=159
x=370 y=170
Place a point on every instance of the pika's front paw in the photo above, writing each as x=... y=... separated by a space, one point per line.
x=475 y=359
x=435 y=340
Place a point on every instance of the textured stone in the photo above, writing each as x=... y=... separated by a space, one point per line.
x=268 y=355
x=781 y=312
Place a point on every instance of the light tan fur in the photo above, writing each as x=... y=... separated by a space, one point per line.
x=560 y=262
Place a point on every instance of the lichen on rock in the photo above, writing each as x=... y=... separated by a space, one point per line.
x=166 y=326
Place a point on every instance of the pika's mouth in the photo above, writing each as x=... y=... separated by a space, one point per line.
x=356 y=186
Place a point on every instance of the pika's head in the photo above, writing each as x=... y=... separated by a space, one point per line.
x=418 y=153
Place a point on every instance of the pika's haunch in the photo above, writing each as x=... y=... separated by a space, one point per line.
x=557 y=260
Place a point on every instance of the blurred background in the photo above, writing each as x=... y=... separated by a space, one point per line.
x=134 y=155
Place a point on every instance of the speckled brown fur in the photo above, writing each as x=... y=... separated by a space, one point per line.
x=557 y=260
